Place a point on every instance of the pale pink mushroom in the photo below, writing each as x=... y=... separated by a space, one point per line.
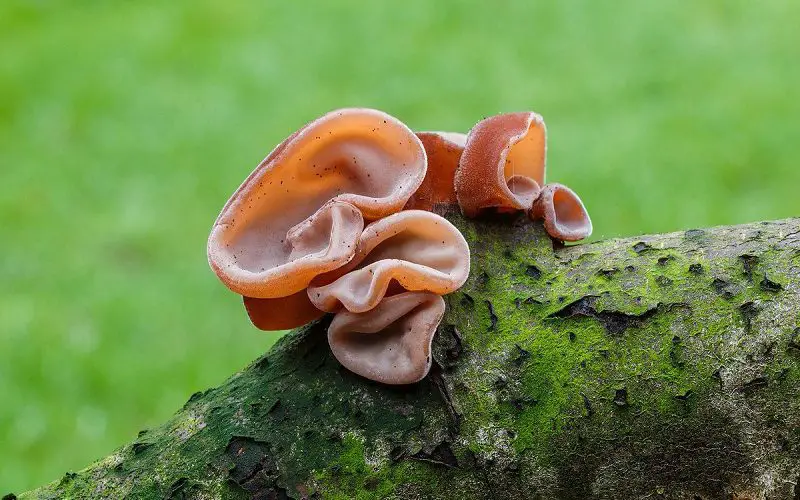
x=565 y=217
x=391 y=343
x=300 y=212
x=444 y=152
x=414 y=249
x=503 y=163
x=282 y=313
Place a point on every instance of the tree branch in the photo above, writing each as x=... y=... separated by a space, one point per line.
x=663 y=366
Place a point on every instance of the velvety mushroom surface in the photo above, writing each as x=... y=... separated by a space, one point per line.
x=565 y=217
x=503 y=164
x=357 y=158
x=390 y=343
x=444 y=151
x=415 y=249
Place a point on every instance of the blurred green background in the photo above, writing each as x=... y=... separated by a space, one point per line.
x=124 y=126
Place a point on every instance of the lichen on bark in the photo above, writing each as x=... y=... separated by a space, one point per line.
x=662 y=366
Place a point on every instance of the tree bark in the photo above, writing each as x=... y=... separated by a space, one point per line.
x=663 y=366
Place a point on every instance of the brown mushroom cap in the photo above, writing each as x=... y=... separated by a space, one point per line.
x=444 y=152
x=391 y=343
x=272 y=237
x=565 y=217
x=415 y=249
x=282 y=313
x=503 y=164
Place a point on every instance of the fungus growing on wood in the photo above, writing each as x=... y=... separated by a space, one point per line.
x=565 y=217
x=300 y=213
x=503 y=164
x=414 y=249
x=390 y=343
x=338 y=218
x=444 y=151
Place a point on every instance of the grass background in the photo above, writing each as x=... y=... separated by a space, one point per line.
x=124 y=126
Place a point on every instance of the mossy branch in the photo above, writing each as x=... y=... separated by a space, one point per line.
x=663 y=366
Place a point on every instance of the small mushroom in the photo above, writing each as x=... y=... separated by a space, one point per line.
x=438 y=188
x=503 y=164
x=565 y=217
x=391 y=343
x=300 y=212
x=281 y=313
x=410 y=250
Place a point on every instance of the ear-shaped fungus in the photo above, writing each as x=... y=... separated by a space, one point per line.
x=444 y=151
x=565 y=217
x=412 y=250
x=390 y=343
x=503 y=163
x=300 y=212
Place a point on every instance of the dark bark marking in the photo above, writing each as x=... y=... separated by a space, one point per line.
x=754 y=385
x=254 y=470
x=520 y=403
x=444 y=392
x=615 y=322
x=676 y=352
x=492 y=315
x=794 y=341
x=588 y=405
x=182 y=489
x=608 y=273
x=641 y=247
x=447 y=346
x=521 y=355
x=533 y=272
x=770 y=286
x=663 y=281
x=621 y=397
x=696 y=268
x=749 y=263
x=724 y=288
x=467 y=301
x=749 y=311
x=442 y=455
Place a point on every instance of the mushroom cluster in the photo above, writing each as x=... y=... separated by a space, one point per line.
x=339 y=218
